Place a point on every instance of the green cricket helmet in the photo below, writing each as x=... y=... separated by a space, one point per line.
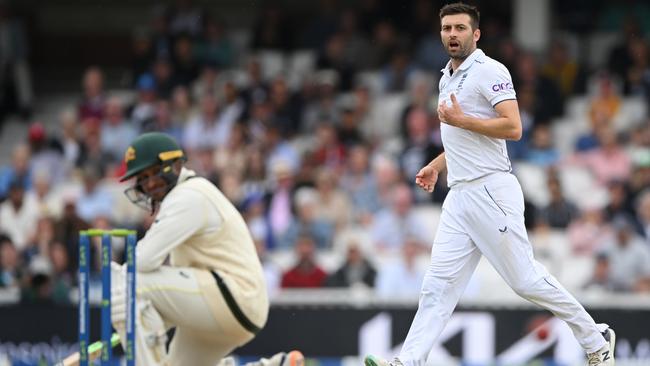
x=149 y=150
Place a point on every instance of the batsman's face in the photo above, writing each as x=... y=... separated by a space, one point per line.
x=151 y=183
x=457 y=35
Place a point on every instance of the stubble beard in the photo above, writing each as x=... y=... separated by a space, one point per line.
x=461 y=54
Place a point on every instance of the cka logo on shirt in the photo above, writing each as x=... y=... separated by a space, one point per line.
x=502 y=86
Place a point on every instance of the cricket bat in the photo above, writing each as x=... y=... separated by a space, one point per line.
x=94 y=352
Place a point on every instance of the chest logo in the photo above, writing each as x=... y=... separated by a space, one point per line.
x=460 y=83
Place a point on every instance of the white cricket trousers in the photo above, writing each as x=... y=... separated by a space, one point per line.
x=486 y=217
x=175 y=299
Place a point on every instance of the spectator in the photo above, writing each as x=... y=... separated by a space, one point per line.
x=332 y=205
x=163 y=121
x=636 y=79
x=143 y=110
x=564 y=70
x=401 y=278
x=279 y=150
x=606 y=104
x=279 y=198
x=590 y=232
x=18 y=216
x=419 y=99
x=11 y=268
x=560 y=212
x=231 y=157
x=69 y=138
x=541 y=151
x=46 y=153
x=392 y=226
x=255 y=178
x=609 y=161
x=142 y=54
x=333 y=58
x=215 y=47
x=256 y=89
x=355 y=45
x=589 y=141
x=16 y=88
x=621 y=58
x=182 y=109
x=306 y=272
x=601 y=279
x=186 y=69
x=287 y=108
x=386 y=176
x=349 y=130
x=527 y=74
x=418 y=149
x=62 y=276
x=272 y=273
x=630 y=260
x=518 y=150
x=204 y=131
x=92 y=103
x=95 y=201
x=324 y=106
x=19 y=170
x=385 y=40
x=620 y=203
x=116 y=131
x=48 y=199
x=358 y=183
x=643 y=214
x=355 y=271
x=92 y=151
x=67 y=229
x=430 y=54
x=398 y=72
x=326 y=149
x=38 y=247
x=208 y=82
x=306 y=222
x=162 y=71
x=161 y=39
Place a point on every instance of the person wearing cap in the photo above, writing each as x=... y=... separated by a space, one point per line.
x=212 y=289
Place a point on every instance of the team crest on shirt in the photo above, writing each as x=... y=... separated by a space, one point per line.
x=460 y=83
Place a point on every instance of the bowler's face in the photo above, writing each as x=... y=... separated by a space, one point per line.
x=457 y=35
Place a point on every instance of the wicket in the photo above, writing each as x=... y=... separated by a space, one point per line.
x=84 y=305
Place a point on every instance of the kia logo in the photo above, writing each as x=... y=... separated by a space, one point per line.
x=502 y=86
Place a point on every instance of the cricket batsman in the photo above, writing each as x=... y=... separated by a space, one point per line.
x=212 y=287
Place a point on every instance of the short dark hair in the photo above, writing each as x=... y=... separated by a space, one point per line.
x=462 y=8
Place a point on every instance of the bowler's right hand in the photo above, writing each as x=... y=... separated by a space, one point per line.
x=427 y=178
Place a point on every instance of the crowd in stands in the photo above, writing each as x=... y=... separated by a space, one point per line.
x=320 y=155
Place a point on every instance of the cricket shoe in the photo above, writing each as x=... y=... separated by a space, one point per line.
x=372 y=360
x=605 y=355
x=293 y=358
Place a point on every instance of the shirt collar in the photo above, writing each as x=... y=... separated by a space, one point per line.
x=469 y=61
x=185 y=174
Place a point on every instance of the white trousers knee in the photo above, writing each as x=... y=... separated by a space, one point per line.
x=486 y=217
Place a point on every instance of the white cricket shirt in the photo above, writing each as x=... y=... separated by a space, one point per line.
x=479 y=84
